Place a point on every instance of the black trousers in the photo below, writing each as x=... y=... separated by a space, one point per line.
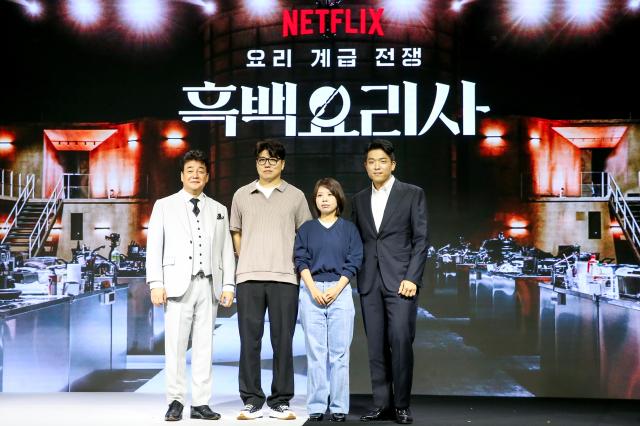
x=390 y=325
x=281 y=300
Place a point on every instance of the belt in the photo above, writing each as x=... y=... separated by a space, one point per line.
x=201 y=275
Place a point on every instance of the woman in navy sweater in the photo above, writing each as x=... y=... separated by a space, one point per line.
x=328 y=253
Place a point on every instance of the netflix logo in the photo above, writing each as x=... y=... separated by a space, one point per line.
x=300 y=22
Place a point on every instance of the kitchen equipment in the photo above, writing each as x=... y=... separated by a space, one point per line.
x=7 y=294
x=629 y=281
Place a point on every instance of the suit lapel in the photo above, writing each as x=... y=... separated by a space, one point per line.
x=395 y=197
x=212 y=217
x=368 y=212
x=182 y=213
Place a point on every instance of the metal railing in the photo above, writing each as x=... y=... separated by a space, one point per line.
x=23 y=197
x=44 y=224
x=78 y=186
x=11 y=183
x=592 y=185
x=625 y=216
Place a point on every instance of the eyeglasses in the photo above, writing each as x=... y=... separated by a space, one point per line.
x=263 y=160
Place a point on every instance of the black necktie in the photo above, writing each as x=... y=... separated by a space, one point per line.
x=196 y=210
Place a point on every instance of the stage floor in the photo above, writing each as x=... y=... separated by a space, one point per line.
x=114 y=409
x=141 y=409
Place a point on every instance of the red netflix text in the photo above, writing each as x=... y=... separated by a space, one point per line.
x=319 y=21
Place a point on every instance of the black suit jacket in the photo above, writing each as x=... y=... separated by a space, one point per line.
x=400 y=248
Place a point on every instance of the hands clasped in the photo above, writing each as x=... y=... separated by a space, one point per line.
x=326 y=298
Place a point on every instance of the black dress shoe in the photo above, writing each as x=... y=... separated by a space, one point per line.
x=174 y=412
x=403 y=416
x=203 y=412
x=338 y=417
x=316 y=417
x=377 y=414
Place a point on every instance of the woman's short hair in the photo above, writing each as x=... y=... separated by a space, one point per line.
x=335 y=188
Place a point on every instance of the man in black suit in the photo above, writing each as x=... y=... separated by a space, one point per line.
x=392 y=219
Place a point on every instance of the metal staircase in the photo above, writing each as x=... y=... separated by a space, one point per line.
x=30 y=221
x=18 y=236
x=627 y=211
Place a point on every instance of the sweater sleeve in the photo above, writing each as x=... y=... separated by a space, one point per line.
x=302 y=257
x=353 y=260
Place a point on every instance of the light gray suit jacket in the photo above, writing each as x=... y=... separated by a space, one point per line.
x=169 y=246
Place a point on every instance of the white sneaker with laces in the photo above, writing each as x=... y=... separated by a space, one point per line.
x=250 y=412
x=282 y=412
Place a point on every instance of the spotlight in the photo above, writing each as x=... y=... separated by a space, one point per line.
x=261 y=8
x=634 y=4
x=584 y=12
x=456 y=6
x=529 y=13
x=405 y=10
x=209 y=7
x=33 y=7
x=84 y=12
x=143 y=16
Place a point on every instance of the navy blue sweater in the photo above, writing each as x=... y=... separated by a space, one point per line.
x=330 y=252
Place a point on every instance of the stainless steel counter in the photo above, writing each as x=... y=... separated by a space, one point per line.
x=48 y=344
x=34 y=345
x=504 y=307
x=145 y=323
x=573 y=361
x=619 y=347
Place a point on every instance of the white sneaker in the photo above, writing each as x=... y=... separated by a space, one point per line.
x=249 y=412
x=282 y=412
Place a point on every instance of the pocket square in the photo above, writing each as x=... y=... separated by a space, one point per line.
x=220 y=217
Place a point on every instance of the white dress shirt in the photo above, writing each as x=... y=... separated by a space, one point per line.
x=379 y=198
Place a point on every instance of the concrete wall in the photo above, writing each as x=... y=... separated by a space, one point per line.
x=561 y=222
x=624 y=161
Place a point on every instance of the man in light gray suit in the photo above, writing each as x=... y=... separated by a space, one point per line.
x=190 y=269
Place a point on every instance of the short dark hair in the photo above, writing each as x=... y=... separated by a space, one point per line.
x=382 y=144
x=273 y=147
x=335 y=188
x=194 y=155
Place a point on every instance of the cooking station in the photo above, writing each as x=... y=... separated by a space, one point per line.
x=61 y=339
x=61 y=321
x=575 y=318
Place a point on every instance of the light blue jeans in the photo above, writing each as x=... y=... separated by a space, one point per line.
x=328 y=331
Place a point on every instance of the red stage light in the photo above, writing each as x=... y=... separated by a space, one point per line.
x=6 y=138
x=175 y=134
x=518 y=223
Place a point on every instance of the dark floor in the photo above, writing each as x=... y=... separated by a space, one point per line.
x=451 y=411
x=114 y=380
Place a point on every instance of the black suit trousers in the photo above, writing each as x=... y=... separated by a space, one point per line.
x=390 y=325
x=281 y=300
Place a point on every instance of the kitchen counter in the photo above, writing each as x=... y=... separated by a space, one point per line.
x=50 y=343
x=28 y=303
x=591 y=344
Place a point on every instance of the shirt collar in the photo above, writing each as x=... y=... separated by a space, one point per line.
x=187 y=197
x=283 y=185
x=386 y=187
